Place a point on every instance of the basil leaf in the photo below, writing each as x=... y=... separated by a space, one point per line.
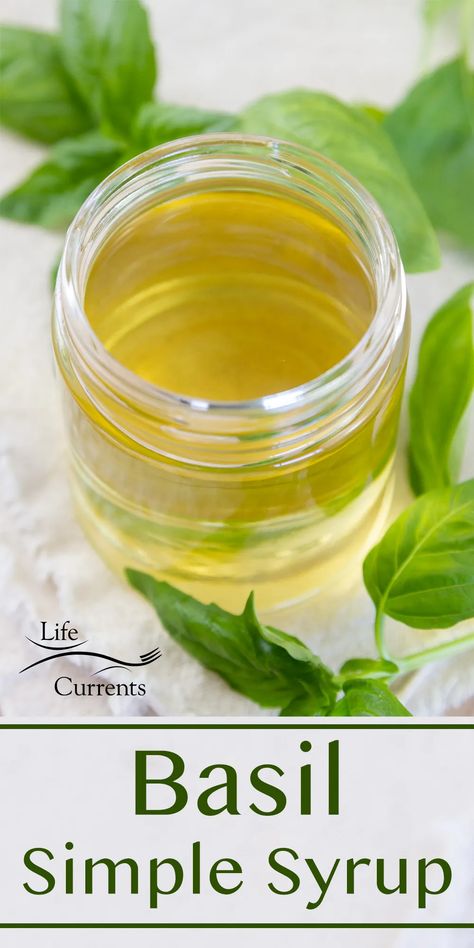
x=159 y=122
x=367 y=668
x=303 y=707
x=422 y=571
x=373 y=111
x=351 y=137
x=268 y=666
x=433 y=131
x=37 y=98
x=53 y=193
x=109 y=54
x=442 y=393
x=369 y=699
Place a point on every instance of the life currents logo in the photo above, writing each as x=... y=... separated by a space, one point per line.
x=62 y=642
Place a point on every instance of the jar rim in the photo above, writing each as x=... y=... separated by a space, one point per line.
x=120 y=188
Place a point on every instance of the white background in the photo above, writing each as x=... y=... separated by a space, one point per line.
x=403 y=793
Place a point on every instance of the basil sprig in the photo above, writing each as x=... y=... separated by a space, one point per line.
x=100 y=72
x=433 y=132
x=160 y=122
x=268 y=666
x=354 y=139
x=272 y=668
x=442 y=393
x=55 y=190
x=421 y=573
x=368 y=698
x=37 y=96
x=108 y=51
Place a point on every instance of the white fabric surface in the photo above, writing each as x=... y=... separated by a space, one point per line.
x=215 y=53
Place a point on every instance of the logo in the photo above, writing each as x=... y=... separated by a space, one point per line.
x=66 y=645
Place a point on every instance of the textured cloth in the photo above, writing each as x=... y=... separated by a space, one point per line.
x=221 y=54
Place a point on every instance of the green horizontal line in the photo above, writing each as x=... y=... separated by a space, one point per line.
x=237 y=925
x=217 y=727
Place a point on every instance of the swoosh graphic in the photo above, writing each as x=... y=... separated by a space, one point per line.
x=108 y=658
x=151 y=656
x=56 y=648
x=100 y=671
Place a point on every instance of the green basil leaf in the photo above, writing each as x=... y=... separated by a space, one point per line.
x=340 y=710
x=109 y=54
x=374 y=112
x=159 y=122
x=422 y=571
x=303 y=707
x=367 y=668
x=53 y=193
x=37 y=97
x=433 y=131
x=354 y=139
x=366 y=698
x=268 y=666
x=442 y=393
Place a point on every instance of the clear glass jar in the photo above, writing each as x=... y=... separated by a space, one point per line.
x=278 y=494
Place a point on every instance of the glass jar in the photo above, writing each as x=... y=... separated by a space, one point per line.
x=283 y=493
